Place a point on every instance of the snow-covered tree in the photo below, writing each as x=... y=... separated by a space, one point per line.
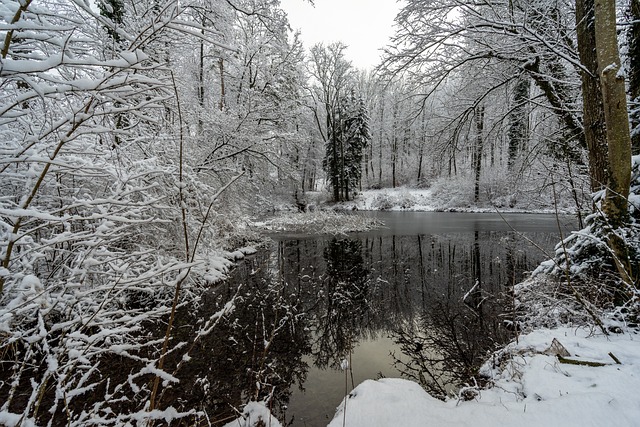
x=111 y=178
x=357 y=135
x=332 y=80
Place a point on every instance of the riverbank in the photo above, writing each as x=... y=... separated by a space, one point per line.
x=438 y=199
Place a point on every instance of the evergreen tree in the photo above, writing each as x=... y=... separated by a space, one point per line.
x=348 y=138
x=357 y=136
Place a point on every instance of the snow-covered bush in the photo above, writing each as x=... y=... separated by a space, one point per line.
x=453 y=192
x=105 y=220
x=389 y=200
x=585 y=265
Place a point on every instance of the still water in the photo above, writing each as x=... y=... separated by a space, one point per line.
x=426 y=298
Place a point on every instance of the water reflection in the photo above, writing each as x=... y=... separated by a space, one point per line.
x=458 y=326
x=255 y=353
x=343 y=312
x=443 y=299
x=310 y=303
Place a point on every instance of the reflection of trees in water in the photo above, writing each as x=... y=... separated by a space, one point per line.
x=462 y=318
x=254 y=353
x=443 y=349
x=352 y=289
x=343 y=311
x=358 y=288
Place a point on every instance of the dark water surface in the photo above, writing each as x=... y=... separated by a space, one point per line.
x=425 y=298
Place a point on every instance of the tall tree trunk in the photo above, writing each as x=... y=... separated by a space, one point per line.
x=343 y=179
x=373 y=172
x=518 y=121
x=394 y=145
x=615 y=112
x=380 y=138
x=477 y=154
x=201 y=83
x=423 y=141
x=592 y=104
x=201 y=71
x=633 y=37
x=222 y=89
x=618 y=137
x=420 y=157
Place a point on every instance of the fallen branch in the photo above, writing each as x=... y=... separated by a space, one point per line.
x=580 y=362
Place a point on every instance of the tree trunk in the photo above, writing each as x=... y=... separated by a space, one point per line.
x=343 y=183
x=394 y=145
x=423 y=141
x=380 y=138
x=633 y=37
x=518 y=121
x=592 y=104
x=615 y=112
x=222 y=89
x=420 y=156
x=477 y=154
x=618 y=137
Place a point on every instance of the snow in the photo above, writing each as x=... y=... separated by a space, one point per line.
x=440 y=197
x=318 y=222
x=531 y=387
x=255 y=414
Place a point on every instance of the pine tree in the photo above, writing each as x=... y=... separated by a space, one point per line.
x=348 y=137
x=357 y=135
x=114 y=10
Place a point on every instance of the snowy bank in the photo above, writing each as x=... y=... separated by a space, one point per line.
x=532 y=386
x=318 y=222
x=437 y=200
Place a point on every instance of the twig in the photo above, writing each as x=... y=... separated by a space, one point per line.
x=615 y=359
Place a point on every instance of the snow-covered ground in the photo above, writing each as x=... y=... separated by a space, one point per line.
x=436 y=199
x=531 y=387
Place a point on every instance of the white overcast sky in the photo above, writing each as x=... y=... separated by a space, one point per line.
x=363 y=25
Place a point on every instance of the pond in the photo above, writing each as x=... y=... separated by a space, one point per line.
x=425 y=298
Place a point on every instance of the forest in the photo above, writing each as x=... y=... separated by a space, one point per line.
x=139 y=140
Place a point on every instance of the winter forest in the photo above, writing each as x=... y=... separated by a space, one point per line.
x=145 y=144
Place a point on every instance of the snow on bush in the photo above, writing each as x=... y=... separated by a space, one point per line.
x=255 y=414
x=319 y=222
x=105 y=220
x=586 y=259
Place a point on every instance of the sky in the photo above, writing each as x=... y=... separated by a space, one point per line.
x=363 y=25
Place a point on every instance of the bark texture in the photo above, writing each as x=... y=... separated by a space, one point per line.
x=593 y=108
x=615 y=112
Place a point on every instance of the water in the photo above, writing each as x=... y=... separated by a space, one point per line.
x=425 y=298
